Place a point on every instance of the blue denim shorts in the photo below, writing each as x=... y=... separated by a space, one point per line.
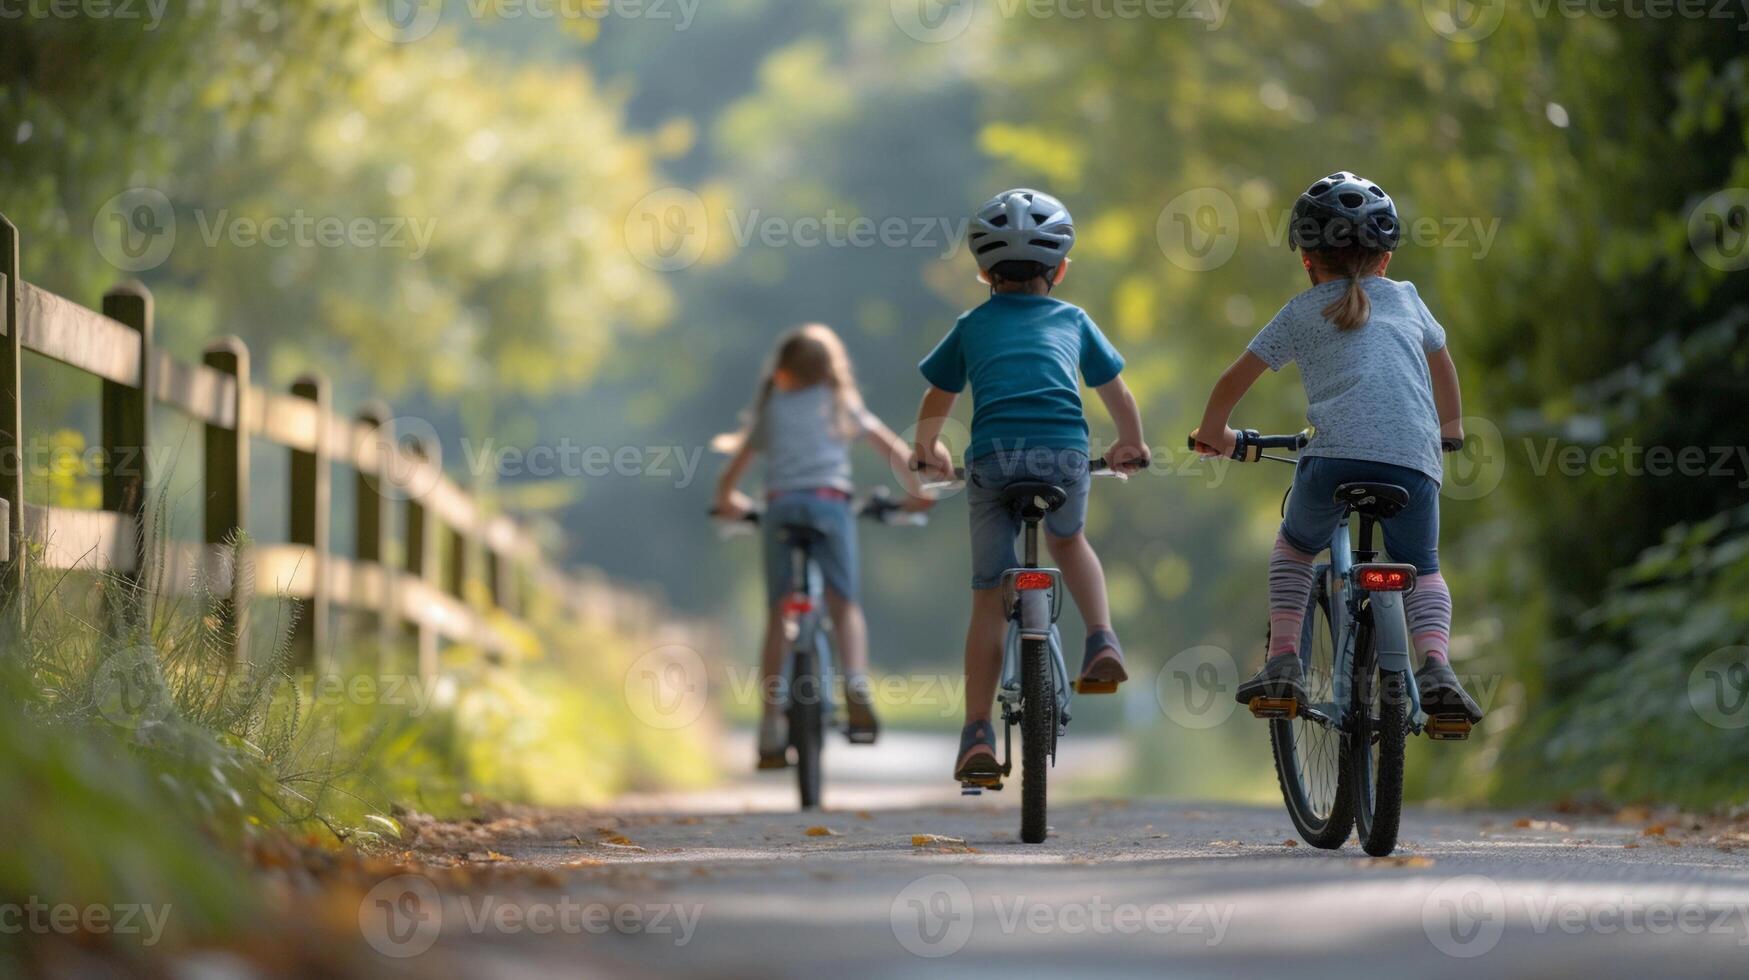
x=1412 y=537
x=994 y=523
x=835 y=552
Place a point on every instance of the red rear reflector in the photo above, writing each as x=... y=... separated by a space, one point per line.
x=1385 y=579
x=797 y=604
x=1032 y=580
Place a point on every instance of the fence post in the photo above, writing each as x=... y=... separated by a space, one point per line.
x=371 y=522
x=458 y=565
x=126 y=413
x=226 y=482
x=309 y=503
x=421 y=563
x=11 y=431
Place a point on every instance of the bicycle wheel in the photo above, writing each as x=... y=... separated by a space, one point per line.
x=1376 y=749
x=1038 y=735
x=1309 y=756
x=805 y=712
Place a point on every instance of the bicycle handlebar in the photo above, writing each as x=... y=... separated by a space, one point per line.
x=1097 y=467
x=1249 y=447
x=877 y=506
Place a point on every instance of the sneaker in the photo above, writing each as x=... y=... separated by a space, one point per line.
x=1102 y=668
x=1281 y=677
x=977 y=760
x=773 y=741
x=862 y=727
x=1441 y=694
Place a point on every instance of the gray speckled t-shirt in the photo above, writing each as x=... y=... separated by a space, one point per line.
x=804 y=446
x=1369 y=393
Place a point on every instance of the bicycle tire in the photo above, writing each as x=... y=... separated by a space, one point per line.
x=1038 y=737
x=1323 y=815
x=805 y=728
x=1377 y=751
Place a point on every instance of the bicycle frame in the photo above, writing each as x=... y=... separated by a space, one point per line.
x=1032 y=614
x=806 y=628
x=1390 y=634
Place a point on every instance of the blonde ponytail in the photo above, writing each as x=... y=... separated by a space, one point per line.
x=1352 y=309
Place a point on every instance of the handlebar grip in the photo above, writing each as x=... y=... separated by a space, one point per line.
x=1452 y=444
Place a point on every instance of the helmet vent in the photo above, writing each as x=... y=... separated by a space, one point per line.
x=1037 y=217
x=999 y=221
x=1376 y=191
x=1320 y=189
x=1350 y=199
x=1044 y=243
x=993 y=246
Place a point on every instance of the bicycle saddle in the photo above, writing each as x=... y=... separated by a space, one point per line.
x=1046 y=496
x=1378 y=500
x=800 y=533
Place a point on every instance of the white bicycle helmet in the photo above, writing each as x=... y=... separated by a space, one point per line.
x=1021 y=225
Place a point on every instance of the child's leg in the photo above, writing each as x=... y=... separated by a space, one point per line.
x=1413 y=537
x=771 y=664
x=1290 y=589
x=984 y=653
x=850 y=628
x=1429 y=612
x=1084 y=576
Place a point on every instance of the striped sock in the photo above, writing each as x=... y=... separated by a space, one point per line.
x=1429 y=612
x=1290 y=588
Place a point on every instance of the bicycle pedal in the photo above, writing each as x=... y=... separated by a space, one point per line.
x=980 y=783
x=1095 y=687
x=1448 y=728
x=1274 y=708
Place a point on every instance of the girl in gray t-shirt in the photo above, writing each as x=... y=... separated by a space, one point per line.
x=806 y=412
x=1382 y=394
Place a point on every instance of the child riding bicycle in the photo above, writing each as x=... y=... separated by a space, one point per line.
x=1383 y=394
x=1020 y=351
x=806 y=412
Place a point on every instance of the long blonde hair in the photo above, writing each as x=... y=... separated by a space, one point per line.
x=810 y=354
x=1355 y=262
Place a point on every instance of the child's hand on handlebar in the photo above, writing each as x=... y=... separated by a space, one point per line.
x=1221 y=445
x=933 y=461
x=1127 y=457
x=732 y=505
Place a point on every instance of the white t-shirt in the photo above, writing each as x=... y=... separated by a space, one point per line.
x=803 y=441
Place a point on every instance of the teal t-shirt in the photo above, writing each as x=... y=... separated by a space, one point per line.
x=1020 y=353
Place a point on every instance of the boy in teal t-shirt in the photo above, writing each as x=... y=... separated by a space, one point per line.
x=1021 y=351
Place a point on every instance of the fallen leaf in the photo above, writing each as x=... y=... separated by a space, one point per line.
x=1655 y=830
x=1397 y=861
x=933 y=840
x=1290 y=842
x=818 y=831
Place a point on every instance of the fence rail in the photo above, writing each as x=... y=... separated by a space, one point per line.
x=115 y=345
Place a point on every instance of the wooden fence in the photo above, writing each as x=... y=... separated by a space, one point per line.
x=116 y=346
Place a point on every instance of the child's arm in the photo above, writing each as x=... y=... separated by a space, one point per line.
x=928 y=450
x=1234 y=383
x=730 y=502
x=898 y=456
x=1446 y=395
x=1130 y=451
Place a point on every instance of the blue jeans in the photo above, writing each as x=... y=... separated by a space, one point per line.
x=994 y=523
x=835 y=552
x=1412 y=537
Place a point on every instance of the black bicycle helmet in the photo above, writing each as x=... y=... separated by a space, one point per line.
x=1342 y=210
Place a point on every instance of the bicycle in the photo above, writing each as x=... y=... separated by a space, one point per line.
x=810 y=702
x=1034 y=689
x=1362 y=701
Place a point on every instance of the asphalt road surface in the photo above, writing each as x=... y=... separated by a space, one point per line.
x=729 y=883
